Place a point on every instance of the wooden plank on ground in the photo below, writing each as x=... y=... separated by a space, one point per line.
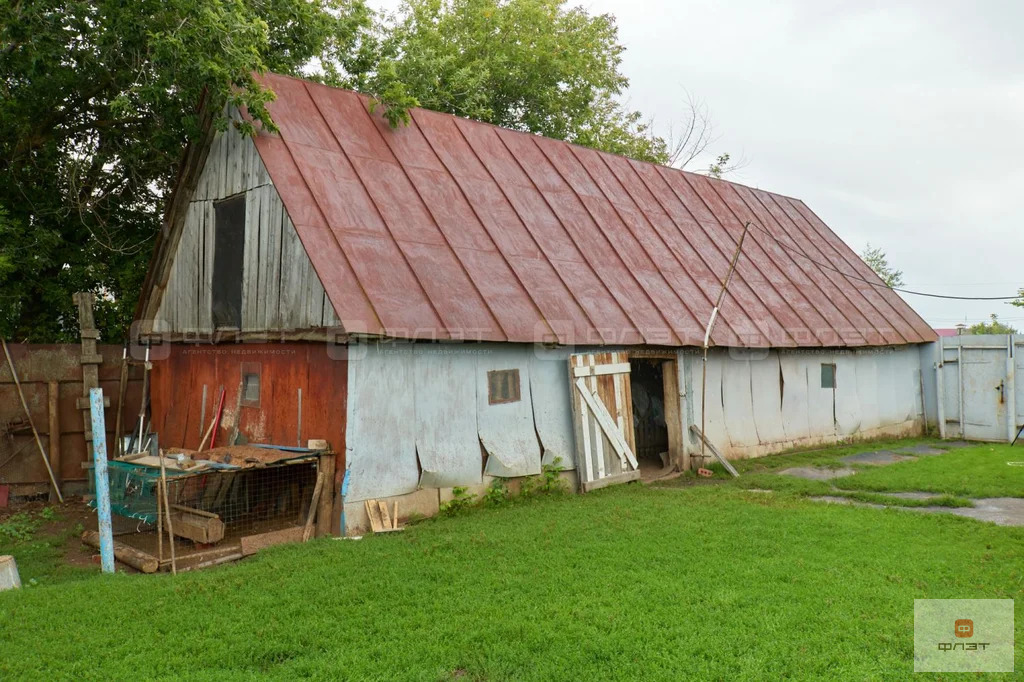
x=373 y=513
x=313 y=506
x=254 y=543
x=614 y=479
x=714 y=451
x=385 y=517
x=197 y=525
x=147 y=563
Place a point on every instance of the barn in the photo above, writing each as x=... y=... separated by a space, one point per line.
x=449 y=302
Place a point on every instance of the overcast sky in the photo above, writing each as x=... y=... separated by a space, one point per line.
x=899 y=123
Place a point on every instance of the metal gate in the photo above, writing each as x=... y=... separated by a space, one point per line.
x=978 y=394
x=602 y=411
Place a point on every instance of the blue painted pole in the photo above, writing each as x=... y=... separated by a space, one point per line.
x=99 y=460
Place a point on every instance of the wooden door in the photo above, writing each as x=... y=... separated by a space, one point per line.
x=602 y=419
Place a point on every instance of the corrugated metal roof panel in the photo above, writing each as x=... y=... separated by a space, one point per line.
x=449 y=228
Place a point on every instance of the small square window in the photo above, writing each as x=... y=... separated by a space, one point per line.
x=828 y=375
x=503 y=386
x=250 y=384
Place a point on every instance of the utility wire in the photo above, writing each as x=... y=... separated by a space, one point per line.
x=882 y=285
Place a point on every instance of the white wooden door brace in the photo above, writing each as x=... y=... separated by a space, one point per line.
x=607 y=423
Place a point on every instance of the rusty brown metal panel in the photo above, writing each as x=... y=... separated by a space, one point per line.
x=403 y=226
x=805 y=276
x=600 y=282
x=860 y=313
x=787 y=287
x=918 y=329
x=779 y=319
x=880 y=331
x=331 y=265
x=748 y=316
x=537 y=283
x=688 y=273
x=318 y=369
x=637 y=244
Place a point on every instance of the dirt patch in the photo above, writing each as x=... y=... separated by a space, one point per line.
x=70 y=519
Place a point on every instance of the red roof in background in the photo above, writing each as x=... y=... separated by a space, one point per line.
x=946 y=332
x=450 y=228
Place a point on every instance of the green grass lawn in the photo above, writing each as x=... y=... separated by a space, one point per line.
x=980 y=471
x=631 y=582
x=977 y=471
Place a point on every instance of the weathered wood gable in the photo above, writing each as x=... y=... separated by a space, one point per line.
x=280 y=289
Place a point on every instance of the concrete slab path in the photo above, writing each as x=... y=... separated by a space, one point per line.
x=1002 y=511
x=817 y=473
x=876 y=458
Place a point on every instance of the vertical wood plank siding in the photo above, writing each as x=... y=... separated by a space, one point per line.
x=280 y=289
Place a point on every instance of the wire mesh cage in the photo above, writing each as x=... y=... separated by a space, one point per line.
x=216 y=506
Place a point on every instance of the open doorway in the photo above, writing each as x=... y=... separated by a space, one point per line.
x=647 y=380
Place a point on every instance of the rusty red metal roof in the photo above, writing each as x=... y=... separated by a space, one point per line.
x=450 y=228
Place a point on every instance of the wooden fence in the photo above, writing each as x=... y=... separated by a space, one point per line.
x=51 y=378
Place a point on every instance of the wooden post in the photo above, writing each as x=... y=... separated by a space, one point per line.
x=54 y=434
x=142 y=403
x=90 y=361
x=326 y=507
x=313 y=507
x=673 y=415
x=167 y=511
x=160 y=524
x=99 y=454
x=122 y=391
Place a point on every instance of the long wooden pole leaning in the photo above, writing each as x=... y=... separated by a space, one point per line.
x=707 y=340
x=167 y=510
x=28 y=415
x=160 y=524
x=122 y=389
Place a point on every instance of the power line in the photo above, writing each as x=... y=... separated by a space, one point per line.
x=882 y=285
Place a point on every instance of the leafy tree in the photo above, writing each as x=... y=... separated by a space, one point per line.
x=532 y=65
x=1019 y=302
x=97 y=100
x=877 y=261
x=994 y=326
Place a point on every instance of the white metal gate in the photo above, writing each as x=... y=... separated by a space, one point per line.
x=975 y=378
x=603 y=419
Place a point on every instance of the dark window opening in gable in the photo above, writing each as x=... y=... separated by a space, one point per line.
x=503 y=386
x=828 y=375
x=228 y=253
